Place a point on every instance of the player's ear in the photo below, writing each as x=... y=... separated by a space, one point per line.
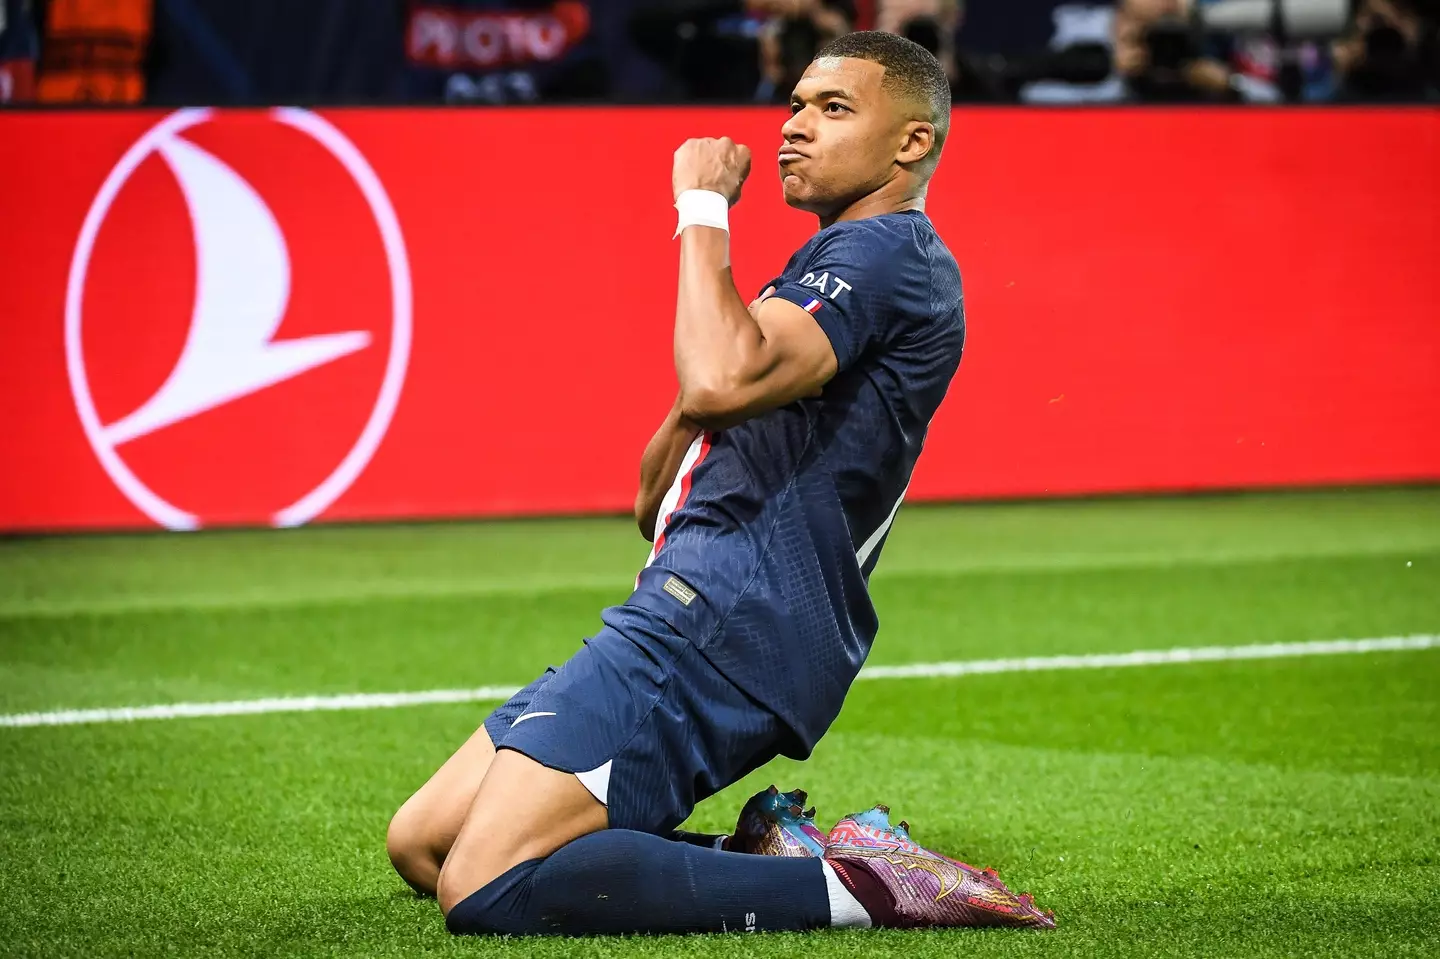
x=917 y=142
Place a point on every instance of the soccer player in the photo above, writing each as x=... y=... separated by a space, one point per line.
x=769 y=490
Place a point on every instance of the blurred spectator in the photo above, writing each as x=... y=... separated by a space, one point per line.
x=1162 y=58
x=737 y=49
x=998 y=77
x=520 y=51
x=707 y=48
x=94 y=51
x=19 y=48
x=792 y=36
x=1087 y=29
x=1390 y=53
x=934 y=25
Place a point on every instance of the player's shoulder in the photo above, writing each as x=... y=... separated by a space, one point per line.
x=882 y=243
x=892 y=233
x=895 y=263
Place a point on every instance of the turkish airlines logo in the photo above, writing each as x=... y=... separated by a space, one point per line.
x=238 y=318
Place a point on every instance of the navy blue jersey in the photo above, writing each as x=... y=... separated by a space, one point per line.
x=768 y=537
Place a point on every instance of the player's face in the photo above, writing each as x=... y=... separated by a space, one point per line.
x=841 y=137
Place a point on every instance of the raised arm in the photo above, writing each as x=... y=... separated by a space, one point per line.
x=733 y=364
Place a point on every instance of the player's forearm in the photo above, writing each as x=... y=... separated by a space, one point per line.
x=659 y=465
x=719 y=348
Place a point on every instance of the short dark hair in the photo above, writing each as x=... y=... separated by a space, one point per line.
x=911 y=73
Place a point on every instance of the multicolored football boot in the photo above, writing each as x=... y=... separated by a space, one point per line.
x=778 y=824
x=921 y=888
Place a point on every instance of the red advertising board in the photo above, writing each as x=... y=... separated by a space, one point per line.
x=278 y=316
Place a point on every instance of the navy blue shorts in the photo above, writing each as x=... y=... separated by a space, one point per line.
x=644 y=721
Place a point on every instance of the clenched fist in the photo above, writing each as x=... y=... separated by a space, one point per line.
x=709 y=164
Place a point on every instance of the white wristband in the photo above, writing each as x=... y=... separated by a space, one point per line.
x=702 y=208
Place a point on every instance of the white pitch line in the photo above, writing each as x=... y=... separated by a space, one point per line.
x=972 y=667
x=249 y=707
x=1151 y=657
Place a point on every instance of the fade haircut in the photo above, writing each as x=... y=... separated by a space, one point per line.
x=912 y=75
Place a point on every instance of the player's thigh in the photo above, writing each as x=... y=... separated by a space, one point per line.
x=427 y=824
x=631 y=732
x=522 y=811
x=429 y=821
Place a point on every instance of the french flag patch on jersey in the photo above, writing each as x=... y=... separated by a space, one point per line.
x=813 y=306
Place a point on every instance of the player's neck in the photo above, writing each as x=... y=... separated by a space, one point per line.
x=890 y=198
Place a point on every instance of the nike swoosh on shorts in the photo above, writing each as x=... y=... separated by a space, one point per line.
x=528 y=716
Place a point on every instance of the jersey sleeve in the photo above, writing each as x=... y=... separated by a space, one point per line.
x=848 y=285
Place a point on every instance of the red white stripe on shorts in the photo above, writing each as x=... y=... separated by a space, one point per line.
x=679 y=490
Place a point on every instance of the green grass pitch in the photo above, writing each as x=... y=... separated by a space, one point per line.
x=1246 y=808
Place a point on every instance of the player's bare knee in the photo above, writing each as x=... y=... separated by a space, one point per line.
x=411 y=850
x=402 y=834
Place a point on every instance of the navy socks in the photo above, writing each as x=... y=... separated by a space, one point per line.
x=708 y=840
x=618 y=881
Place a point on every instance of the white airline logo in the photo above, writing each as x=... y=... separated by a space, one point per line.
x=242 y=291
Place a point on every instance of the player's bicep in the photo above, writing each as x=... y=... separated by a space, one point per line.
x=802 y=357
x=845 y=289
x=795 y=361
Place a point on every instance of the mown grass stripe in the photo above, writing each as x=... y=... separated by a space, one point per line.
x=396 y=588
x=975 y=667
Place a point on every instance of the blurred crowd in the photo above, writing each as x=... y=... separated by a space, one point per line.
x=734 y=51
